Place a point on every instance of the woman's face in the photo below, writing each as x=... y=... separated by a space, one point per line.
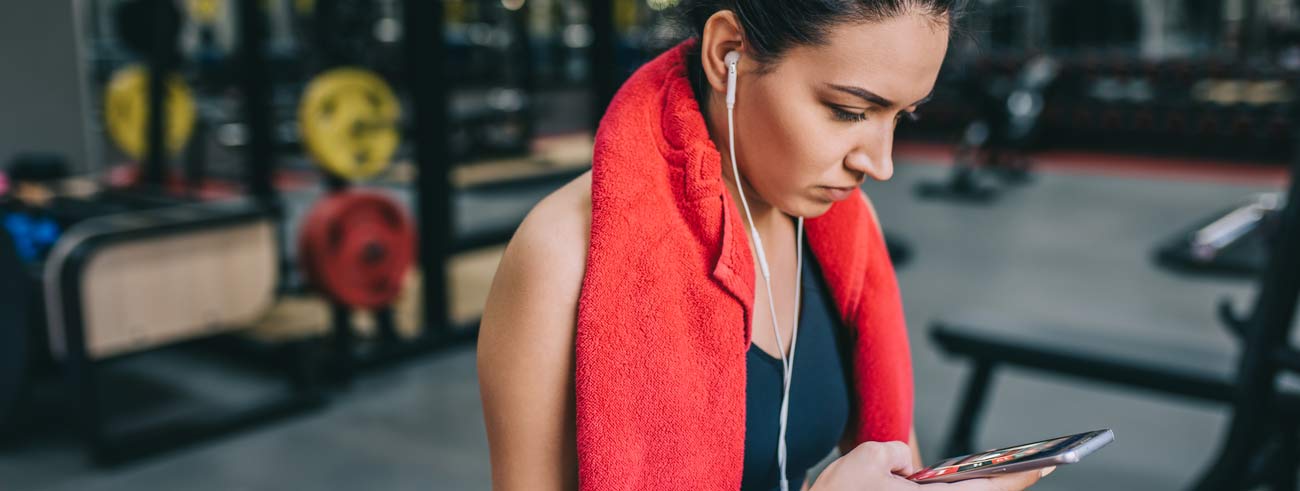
x=814 y=127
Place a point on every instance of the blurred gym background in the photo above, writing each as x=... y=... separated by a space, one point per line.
x=211 y=278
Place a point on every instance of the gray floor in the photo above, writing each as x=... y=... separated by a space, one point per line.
x=1068 y=248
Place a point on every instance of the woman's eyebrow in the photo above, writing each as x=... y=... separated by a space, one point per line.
x=874 y=98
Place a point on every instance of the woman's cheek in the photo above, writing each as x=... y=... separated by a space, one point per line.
x=803 y=133
x=827 y=147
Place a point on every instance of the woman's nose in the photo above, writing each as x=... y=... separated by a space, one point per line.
x=876 y=163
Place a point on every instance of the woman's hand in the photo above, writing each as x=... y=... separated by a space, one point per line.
x=882 y=466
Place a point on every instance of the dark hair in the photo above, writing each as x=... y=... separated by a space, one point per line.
x=773 y=26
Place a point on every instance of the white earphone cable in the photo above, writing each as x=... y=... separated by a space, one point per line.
x=787 y=362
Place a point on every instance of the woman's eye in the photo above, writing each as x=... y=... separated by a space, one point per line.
x=848 y=116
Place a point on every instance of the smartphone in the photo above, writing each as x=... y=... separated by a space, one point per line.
x=1020 y=458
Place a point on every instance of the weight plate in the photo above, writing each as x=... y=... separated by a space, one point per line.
x=348 y=120
x=357 y=247
x=205 y=11
x=126 y=111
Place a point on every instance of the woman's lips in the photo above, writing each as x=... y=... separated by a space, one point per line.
x=838 y=194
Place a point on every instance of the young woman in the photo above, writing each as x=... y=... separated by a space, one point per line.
x=712 y=307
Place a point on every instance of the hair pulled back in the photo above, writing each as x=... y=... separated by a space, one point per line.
x=771 y=27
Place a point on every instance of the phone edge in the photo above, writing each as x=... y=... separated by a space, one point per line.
x=1071 y=456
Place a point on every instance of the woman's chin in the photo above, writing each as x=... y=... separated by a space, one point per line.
x=810 y=208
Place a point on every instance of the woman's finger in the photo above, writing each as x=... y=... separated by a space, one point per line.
x=900 y=459
x=894 y=457
x=1009 y=482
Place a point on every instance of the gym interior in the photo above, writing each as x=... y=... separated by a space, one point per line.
x=270 y=274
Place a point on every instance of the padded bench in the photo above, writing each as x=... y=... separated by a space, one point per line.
x=1200 y=370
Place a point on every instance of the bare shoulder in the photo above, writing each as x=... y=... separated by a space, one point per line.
x=540 y=274
x=553 y=238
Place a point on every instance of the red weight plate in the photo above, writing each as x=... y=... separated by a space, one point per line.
x=356 y=247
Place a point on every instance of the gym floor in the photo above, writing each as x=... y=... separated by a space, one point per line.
x=1073 y=247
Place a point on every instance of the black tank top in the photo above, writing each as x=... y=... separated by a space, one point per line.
x=819 y=393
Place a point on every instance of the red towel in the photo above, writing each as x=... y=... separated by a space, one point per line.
x=667 y=300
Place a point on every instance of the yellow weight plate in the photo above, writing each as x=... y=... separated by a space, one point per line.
x=126 y=111
x=205 y=11
x=348 y=121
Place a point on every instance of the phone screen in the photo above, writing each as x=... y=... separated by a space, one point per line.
x=999 y=457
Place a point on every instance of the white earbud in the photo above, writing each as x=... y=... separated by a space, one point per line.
x=787 y=362
x=731 y=59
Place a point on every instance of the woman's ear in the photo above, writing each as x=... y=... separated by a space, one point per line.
x=722 y=35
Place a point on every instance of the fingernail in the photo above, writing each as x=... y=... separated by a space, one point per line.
x=1047 y=471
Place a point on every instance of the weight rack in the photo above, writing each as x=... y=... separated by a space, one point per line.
x=425 y=57
x=108 y=444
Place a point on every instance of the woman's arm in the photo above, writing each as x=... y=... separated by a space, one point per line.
x=526 y=346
